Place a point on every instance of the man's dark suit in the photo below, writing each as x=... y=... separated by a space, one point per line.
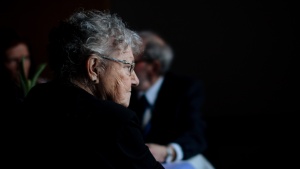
x=177 y=114
x=65 y=126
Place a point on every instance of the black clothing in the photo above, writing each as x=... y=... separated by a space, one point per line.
x=177 y=114
x=68 y=127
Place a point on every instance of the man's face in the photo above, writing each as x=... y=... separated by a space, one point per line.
x=142 y=70
x=147 y=71
x=13 y=59
x=118 y=80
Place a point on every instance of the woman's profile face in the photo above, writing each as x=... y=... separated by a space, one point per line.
x=13 y=59
x=119 y=80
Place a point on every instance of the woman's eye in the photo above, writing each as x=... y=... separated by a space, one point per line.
x=129 y=68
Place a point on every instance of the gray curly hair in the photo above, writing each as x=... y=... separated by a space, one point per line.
x=85 y=33
x=156 y=49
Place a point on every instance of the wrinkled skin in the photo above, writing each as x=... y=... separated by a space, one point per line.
x=117 y=81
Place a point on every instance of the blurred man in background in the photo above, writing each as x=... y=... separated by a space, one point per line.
x=169 y=106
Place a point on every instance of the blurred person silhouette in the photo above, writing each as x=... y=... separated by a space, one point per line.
x=12 y=48
x=169 y=106
x=85 y=121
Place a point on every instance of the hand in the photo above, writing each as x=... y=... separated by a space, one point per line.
x=158 y=151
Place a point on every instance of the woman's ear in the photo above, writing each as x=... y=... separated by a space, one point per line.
x=92 y=68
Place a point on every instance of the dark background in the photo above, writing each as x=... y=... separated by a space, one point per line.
x=245 y=52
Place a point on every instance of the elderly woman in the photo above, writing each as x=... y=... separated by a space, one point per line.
x=83 y=119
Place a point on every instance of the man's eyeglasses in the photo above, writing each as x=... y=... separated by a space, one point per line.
x=130 y=65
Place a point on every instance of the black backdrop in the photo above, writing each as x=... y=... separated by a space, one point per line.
x=244 y=51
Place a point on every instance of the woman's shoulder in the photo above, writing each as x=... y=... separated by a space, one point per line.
x=114 y=109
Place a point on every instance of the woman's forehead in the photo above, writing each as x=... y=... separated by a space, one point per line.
x=125 y=54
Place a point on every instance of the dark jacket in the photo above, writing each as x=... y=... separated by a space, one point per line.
x=64 y=126
x=177 y=114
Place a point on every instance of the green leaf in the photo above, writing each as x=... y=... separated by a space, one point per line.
x=38 y=73
x=23 y=79
x=27 y=84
